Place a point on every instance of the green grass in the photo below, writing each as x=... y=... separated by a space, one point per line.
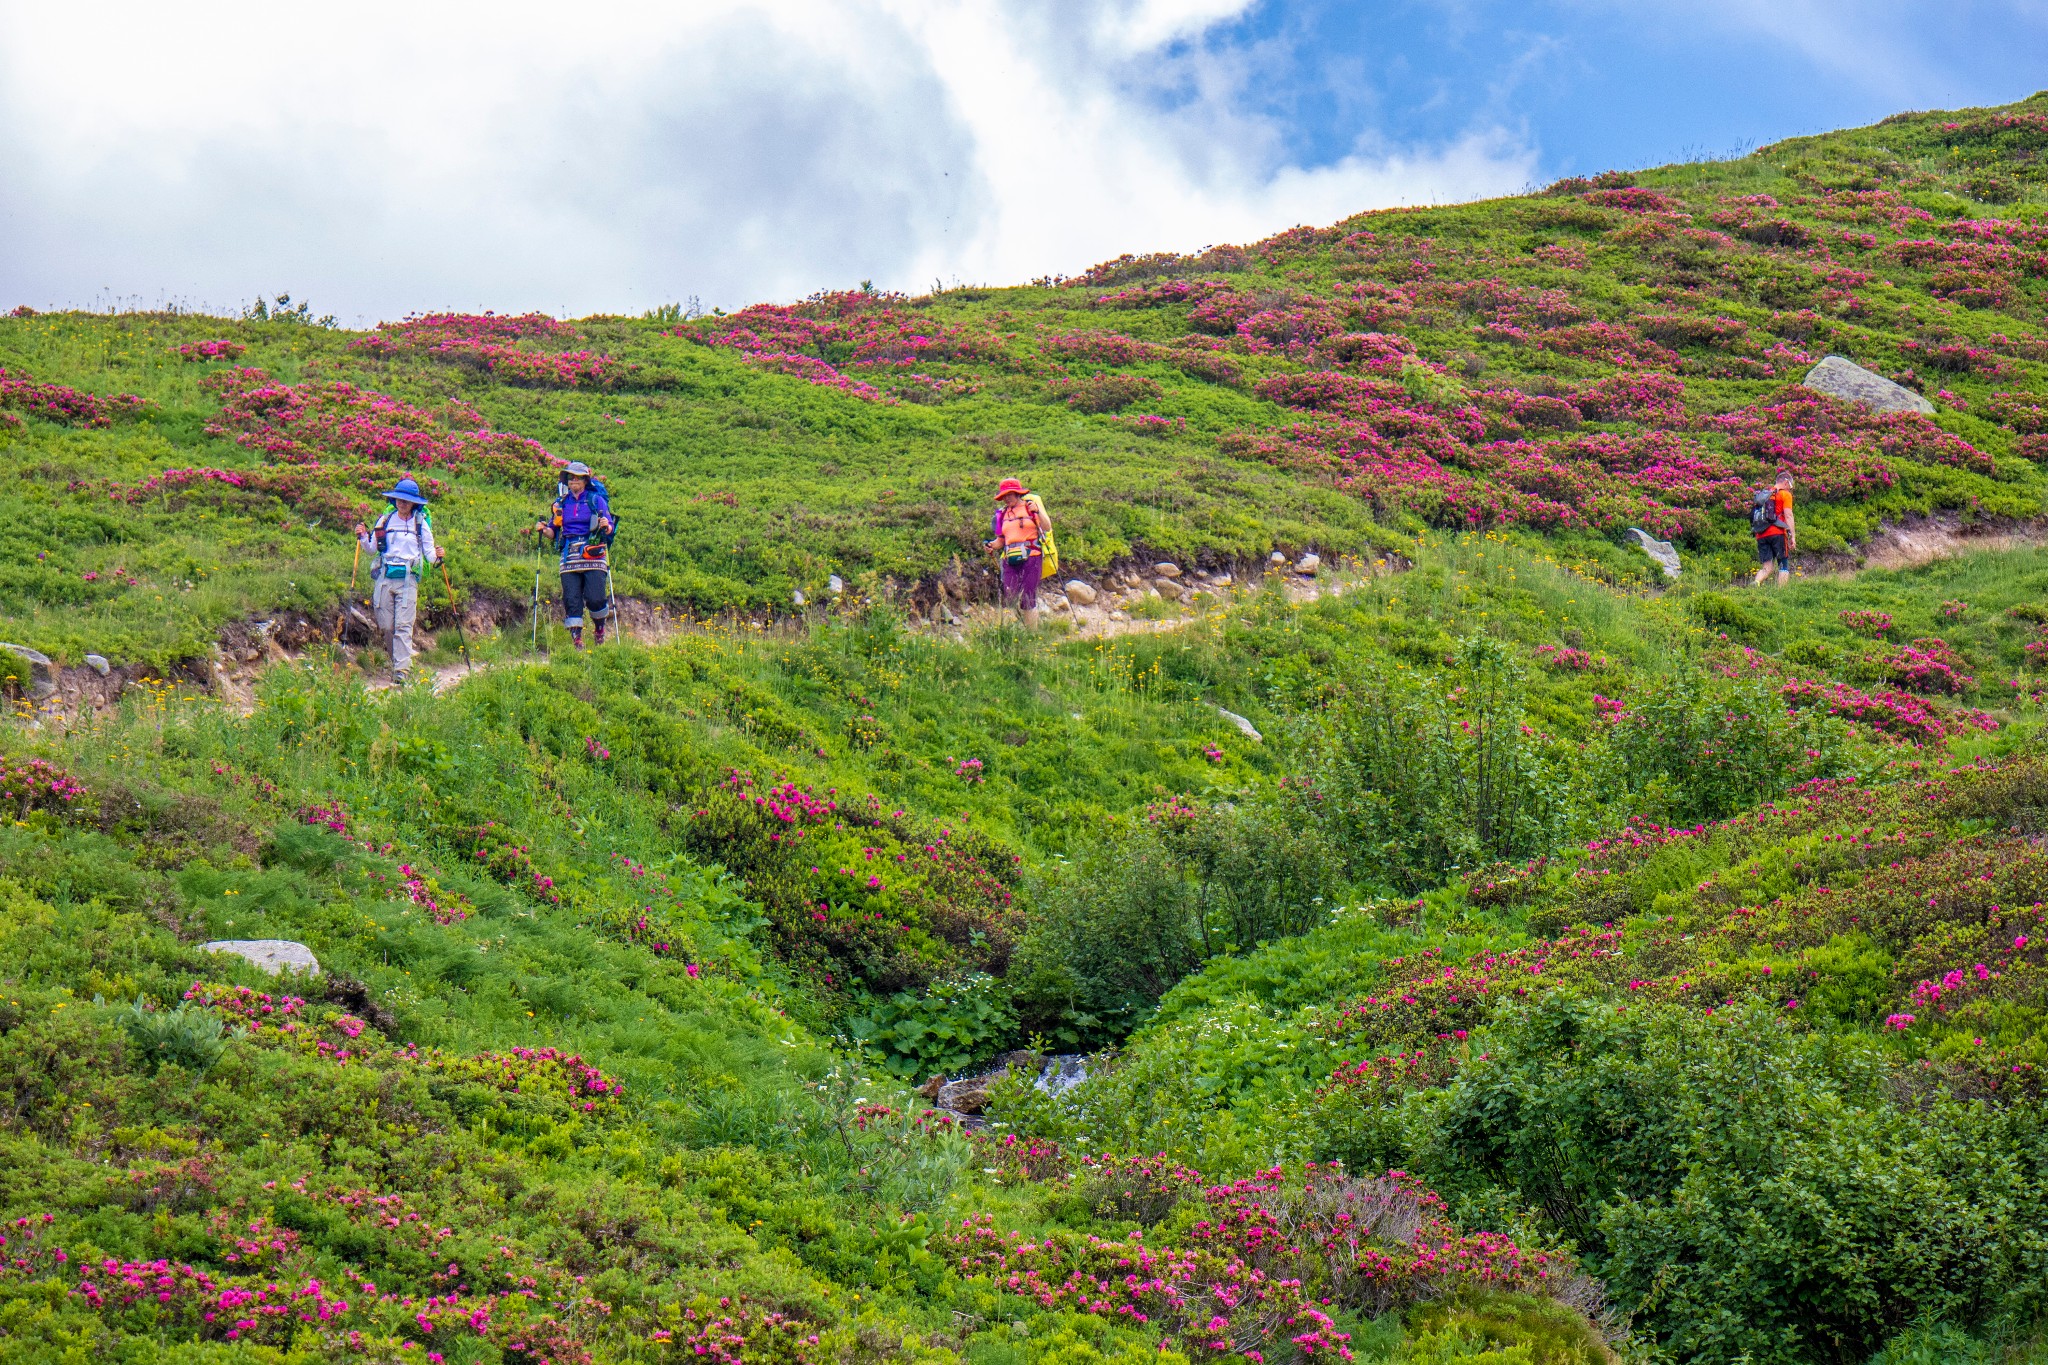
x=1659 y=1114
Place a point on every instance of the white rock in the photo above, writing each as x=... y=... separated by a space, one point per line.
x=1058 y=603
x=1167 y=570
x=1245 y=727
x=1080 y=592
x=273 y=955
x=1277 y=558
x=1308 y=564
x=797 y=597
x=835 y=585
x=1222 y=580
x=1659 y=550
x=97 y=664
x=1840 y=377
x=1119 y=616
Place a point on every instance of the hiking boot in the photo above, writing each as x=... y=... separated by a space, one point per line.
x=576 y=636
x=600 y=632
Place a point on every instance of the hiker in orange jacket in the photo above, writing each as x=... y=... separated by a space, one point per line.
x=1775 y=531
x=1017 y=537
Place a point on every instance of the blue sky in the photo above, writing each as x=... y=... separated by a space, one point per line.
x=397 y=155
x=1593 y=86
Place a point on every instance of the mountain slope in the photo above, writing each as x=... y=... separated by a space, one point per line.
x=1573 y=363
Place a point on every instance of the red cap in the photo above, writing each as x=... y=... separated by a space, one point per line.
x=1007 y=487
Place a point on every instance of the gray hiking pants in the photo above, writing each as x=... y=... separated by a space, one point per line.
x=396 y=601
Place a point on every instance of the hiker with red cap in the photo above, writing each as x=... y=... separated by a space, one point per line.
x=1020 y=537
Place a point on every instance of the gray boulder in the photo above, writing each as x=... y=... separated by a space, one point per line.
x=1080 y=592
x=39 y=680
x=273 y=955
x=1839 y=377
x=98 y=664
x=1308 y=564
x=1660 y=550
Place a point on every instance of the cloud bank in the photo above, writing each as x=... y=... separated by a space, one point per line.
x=382 y=158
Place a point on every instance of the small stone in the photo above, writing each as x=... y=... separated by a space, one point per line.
x=97 y=664
x=1080 y=592
x=1119 y=616
x=1308 y=564
x=1839 y=377
x=41 y=682
x=1167 y=570
x=1277 y=558
x=1222 y=580
x=273 y=955
x=797 y=597
x=835 y=585
x=969 y=1096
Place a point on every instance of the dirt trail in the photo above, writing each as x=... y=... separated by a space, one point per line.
x=650 y=624
x=1924 y=540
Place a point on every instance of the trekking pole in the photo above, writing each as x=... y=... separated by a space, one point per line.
x=349 y=598
x=460 y=633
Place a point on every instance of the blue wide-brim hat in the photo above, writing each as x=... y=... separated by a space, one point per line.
x=409 y=490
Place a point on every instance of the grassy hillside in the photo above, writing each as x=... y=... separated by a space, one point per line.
x=1572 y=969
x=1595 y=357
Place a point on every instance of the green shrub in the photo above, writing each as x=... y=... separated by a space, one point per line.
x=1699 y=747
x=187 y=1036
x=1503 y=1328
x=1421 y=778
x=949 y=1028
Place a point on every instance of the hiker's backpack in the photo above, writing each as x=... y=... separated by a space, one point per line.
x=1763 y=518
x=380 y=534
x=597 y=487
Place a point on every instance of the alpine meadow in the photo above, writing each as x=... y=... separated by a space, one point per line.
x=1421 y=886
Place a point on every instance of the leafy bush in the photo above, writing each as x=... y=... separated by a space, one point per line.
x=1422 y=778
x=943 y=1032
x=1700 y=747
x=1186 y=882
x=187 y=1036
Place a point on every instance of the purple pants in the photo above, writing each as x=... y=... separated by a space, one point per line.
x=1020 y=582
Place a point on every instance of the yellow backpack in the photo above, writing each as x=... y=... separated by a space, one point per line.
x=1048 y=547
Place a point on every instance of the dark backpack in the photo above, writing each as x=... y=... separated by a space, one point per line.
x=1762 y=516
x=562 y=491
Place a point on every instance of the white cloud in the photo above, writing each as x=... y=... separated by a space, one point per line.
x=383 y=157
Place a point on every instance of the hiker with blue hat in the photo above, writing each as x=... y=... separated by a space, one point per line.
x=402 y=543
x=582 y=525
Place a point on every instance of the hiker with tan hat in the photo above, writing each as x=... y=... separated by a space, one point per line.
x=1020 y=537
x=403 y=542
x=582 y=526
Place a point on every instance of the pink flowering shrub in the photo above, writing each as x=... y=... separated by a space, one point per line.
x=1151 y=424
x=856 y=893
x=828 y=334
x=61 y=403
x=1872 y=623
x=365 y=433
x=1261 y=1260
x=1565 y=659
x=1887 y=712
x=34 y=784
x=193 y=352
x=1928 y=665
x=1105 y=392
